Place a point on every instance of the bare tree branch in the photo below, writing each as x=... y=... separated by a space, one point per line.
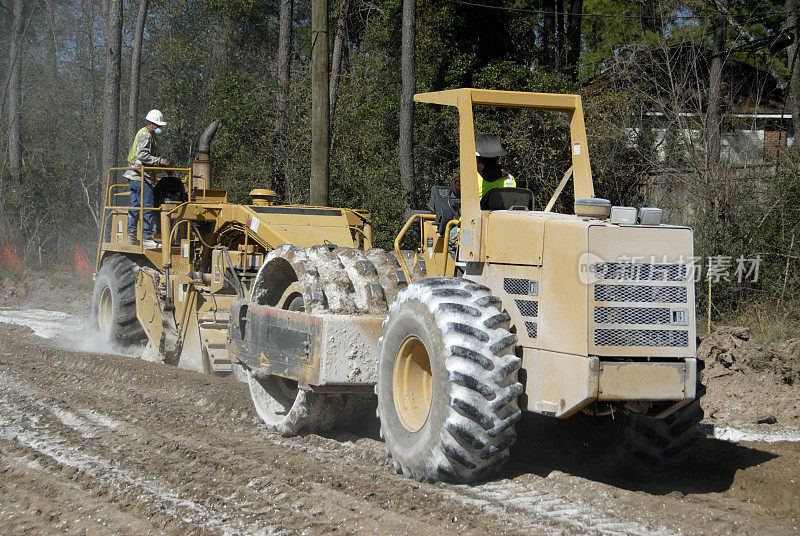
x=763 y=53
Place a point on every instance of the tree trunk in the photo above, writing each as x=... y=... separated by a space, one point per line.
x=648 y=20
x=793 y=53
x=14 y=92
x=713 y=112
x=278 y=181
x=549 y=33
x=320 y=106
x=338 y=46
x=112 y=42
x=284 y=63
x=90 y=63
x=408 y=70
x=136 y=62
x=714 y=123
x=560 y=46
x=574 y=37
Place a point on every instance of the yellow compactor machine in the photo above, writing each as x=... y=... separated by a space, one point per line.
x=503 y=308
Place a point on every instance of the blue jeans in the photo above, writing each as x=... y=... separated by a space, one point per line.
x=149 y=218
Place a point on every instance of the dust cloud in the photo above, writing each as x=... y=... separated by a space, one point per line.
x=66 y=331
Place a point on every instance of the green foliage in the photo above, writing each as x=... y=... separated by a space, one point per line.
x=216 y=59
x=604 y=35
x=241 y=105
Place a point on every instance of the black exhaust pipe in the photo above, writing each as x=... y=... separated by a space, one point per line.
x=204 y=145
x=201 y=168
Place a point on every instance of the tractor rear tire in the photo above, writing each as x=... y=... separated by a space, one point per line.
x=649 y=449
x=631 y=446
x=447 y=381
x=113 y=310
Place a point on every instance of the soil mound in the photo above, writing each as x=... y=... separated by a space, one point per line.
x=748 y=383
x=729 y=346
x=784 y=358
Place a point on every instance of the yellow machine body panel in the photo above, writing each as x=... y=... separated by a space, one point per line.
x=607 y=315
x=512 y=237
x=298 y=225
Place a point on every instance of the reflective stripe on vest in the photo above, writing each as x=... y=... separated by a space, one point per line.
x=135 y=149
x=503 y=182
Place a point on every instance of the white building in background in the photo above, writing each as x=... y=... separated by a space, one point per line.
x=750 y=139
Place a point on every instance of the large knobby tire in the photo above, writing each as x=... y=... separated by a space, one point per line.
x=627 y=445
x=113 y=310
x=287 y=409
x=447 y=381
x=647 y=448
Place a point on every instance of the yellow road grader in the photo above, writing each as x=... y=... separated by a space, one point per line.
x=502 y=309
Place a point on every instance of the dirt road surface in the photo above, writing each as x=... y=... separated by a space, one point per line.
x=94 y=443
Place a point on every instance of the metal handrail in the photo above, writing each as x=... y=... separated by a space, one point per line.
x=400 y=236
x=559 y=188
x=187 y=180
x=446 y=238
x=363 y=234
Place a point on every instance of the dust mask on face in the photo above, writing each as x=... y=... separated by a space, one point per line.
x=159 y=130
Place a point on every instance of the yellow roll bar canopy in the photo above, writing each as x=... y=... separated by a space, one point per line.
x=464 y=99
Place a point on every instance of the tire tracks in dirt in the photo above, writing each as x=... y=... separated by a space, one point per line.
x=191 y=480
x=224 y=478
x=167 y=451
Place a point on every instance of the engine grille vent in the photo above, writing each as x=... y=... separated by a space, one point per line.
x=528 y=307
x=622 y=271
x=641 y=337
x=640 y=293
x=526 y=287
x=530 y=327
x=632 y=315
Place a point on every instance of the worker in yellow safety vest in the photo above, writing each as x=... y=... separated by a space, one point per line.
x=488 y=151
x=144 y=152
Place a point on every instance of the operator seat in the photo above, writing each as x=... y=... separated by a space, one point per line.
x=507 y=199
x=169 y=188
x=444 y=205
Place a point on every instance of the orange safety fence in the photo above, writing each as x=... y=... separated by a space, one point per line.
x=83 y=268
x=10 y=258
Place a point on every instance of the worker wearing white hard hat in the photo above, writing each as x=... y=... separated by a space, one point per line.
x=156 y=117
x=144 y=152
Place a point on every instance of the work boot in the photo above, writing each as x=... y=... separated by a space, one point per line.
x=132 y=241
x=149 y=243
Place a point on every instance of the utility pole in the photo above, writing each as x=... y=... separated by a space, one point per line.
x=320 y=103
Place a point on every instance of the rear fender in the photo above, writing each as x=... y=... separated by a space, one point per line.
x=159 y=327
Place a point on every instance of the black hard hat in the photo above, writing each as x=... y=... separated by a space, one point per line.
x=488 y=146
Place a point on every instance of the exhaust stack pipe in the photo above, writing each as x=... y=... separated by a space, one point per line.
x=201 y=167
